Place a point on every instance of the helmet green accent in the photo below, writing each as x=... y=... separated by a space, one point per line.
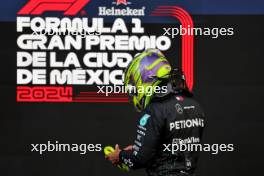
x=143 y=74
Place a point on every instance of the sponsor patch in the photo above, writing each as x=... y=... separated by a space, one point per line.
x=143 y=121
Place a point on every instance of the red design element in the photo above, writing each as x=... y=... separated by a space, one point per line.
x=44 y=94
x=101 y=97
x=121 y=2
x=187 y=40
x=65 y=94
x=37 y=7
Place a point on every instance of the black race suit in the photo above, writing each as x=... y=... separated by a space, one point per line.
x=175 y=120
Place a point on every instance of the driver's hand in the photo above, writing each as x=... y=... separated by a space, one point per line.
x=128 y=148
x=114 y=156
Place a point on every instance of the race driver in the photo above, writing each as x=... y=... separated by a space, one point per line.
x=171 y=117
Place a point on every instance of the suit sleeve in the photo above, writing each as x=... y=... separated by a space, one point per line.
x=147 y=140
